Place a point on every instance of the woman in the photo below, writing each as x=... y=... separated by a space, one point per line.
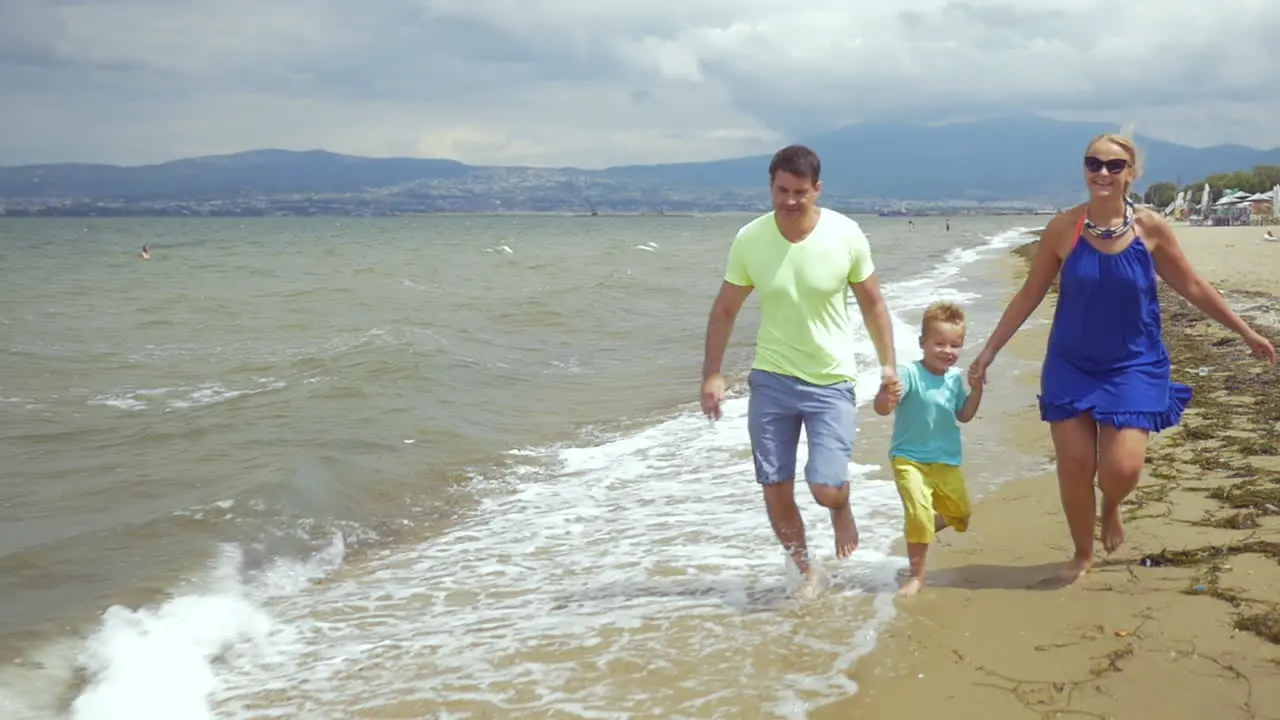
x=1105 y=384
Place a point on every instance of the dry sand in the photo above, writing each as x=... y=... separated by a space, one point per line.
x=1147 y=633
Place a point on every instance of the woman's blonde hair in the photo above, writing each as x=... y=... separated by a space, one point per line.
x=1124 y=141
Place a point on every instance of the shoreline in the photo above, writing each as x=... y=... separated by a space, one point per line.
x=1181 y=620
x=699 y=583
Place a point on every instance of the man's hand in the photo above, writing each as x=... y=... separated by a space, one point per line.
x=712 y=396
x=889 y=395
x=890 y=382
x=887 y=399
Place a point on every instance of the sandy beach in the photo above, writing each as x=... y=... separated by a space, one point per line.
x=1182 y=621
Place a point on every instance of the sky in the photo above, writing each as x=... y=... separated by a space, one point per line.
x=594 y=83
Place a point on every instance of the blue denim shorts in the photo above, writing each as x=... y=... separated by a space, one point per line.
x=779 y=405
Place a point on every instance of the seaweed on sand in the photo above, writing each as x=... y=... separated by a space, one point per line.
x=1249 y=494
x=1194 y=557
x=1265 y=624
x=1236 y=416
x=1245 y=520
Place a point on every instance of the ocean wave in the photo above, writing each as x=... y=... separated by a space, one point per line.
x=640 y=548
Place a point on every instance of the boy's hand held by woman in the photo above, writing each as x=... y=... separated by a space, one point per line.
x=978 y=371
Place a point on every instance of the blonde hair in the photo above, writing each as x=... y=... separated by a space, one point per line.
x=1124 y=141
x=947 y=313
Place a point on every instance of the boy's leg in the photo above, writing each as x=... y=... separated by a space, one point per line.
x=918 y=518
x=773 y=422
x=830 y=423
x=917 y=555
x=950 y=497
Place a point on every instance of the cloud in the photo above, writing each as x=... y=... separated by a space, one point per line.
x=554 y=82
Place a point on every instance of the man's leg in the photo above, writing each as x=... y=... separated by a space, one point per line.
x=773 y=422
x=830 y=421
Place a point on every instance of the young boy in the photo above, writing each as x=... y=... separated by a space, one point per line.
x=925 y=452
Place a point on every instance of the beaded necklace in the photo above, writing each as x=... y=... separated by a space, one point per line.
x=1110 y=233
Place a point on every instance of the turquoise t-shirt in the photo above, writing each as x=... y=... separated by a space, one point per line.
x=925 y=428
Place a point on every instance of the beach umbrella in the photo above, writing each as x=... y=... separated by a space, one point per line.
x=1204 y=201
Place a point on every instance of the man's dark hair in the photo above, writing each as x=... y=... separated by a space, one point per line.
x=796 y=160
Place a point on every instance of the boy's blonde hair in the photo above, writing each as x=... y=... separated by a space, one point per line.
x=944 y=312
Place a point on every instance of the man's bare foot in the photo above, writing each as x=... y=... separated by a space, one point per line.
x=810 y=586
x=846 y=531
x=1112 y=528
x=912 y=586
x=800 y=559
x=1068 y=574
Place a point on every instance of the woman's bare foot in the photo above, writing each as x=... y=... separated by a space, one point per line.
x=1112 y=528
x=911 y=587
x=1069 y=573
x=846 y=531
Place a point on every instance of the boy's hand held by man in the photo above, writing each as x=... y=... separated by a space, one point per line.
x=891 y=384
x=890 y=393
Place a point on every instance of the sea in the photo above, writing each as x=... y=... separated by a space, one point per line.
x=422 y=467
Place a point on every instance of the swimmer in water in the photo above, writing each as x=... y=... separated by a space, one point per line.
x=146 y=252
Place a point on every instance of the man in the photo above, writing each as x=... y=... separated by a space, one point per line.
x=801 y=258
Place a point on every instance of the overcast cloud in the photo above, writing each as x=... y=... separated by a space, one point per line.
x=602 y=82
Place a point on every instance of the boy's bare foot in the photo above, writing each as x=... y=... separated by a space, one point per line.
x=1112 y=528
x=911 y=587
x=846 y=531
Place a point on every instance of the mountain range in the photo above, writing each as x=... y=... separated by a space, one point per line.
x=1012 y=160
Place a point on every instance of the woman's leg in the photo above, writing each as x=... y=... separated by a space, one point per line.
x=1121 y=454
x=1075 y=443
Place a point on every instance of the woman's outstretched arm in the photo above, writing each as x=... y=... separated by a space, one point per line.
x=1044 y=269
x=1172 y=265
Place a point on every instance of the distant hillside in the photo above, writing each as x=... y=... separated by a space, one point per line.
x=254 y=173
x=1022 y=158
x=1015 y=158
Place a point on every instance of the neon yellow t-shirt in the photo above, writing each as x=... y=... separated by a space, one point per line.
x=804 y=315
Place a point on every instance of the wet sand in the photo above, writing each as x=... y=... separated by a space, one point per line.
x=1182 y=621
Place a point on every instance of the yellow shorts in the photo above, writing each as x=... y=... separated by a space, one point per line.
x=929 y=489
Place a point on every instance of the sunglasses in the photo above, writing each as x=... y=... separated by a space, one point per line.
x=1114 y=166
